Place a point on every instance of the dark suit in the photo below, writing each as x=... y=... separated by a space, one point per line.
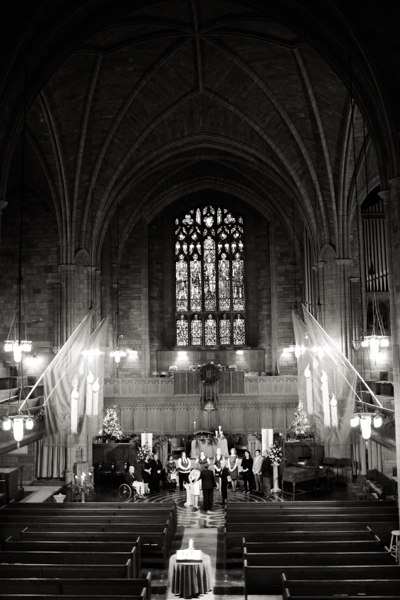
x=155 y=475
x=267 y=472
x=208 y=485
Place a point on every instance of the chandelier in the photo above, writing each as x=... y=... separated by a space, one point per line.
x=17 y=339
x=365 y=420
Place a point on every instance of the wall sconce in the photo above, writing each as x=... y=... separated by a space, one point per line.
x=182 y=355
x=132 y=353
x=239 y=352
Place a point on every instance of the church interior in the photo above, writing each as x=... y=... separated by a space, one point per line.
x=199 y=246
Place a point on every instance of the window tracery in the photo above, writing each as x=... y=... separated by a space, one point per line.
x=209 y=275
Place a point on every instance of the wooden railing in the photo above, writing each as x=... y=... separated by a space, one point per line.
x=187 y=383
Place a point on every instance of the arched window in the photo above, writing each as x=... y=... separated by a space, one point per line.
x=209 y=272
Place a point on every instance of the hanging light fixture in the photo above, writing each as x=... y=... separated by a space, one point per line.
x=17 y=339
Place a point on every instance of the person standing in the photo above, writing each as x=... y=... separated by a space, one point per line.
x=267 y=472
x=194 y=482
x=183 y=470
x=224 y=481
x=233 y=466
x=202 y=461
x=257 y=464
x=208 y=485
x=156 y=472
x=217 y=467
x=170 y=470
x=146 y=473
x=247 y=472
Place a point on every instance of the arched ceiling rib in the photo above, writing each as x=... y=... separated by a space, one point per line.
x=147 y=77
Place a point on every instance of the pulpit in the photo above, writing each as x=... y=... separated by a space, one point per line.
x=13 y=483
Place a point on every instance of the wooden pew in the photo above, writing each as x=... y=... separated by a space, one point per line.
x=83 y=571
x=133 y=548
x=317 y=517
x=71 y=558
x=297 y=559
x=112 y=587
x=373 y=545
x=144 y=513
x=326 y=588
x=154 y=549
x=308 y=504
x=268 y=579
x=233 y=540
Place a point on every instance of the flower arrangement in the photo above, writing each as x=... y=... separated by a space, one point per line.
x=209 y=374
x=275 y=454
x=144 y=453
x=82 y=485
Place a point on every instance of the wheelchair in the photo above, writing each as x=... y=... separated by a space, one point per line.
x=127 y=492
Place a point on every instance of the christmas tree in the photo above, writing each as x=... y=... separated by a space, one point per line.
x=300 y=427
x=111 y=427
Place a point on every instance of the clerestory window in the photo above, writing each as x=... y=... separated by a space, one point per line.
x=209 y=268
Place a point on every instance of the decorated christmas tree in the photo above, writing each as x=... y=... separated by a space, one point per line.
x=300 y=428
x=111 y=427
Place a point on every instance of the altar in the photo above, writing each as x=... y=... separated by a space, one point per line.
x=207 y=442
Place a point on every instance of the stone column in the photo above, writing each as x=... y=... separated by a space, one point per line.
x=67 y=300
x=392 y=227
x=345 y=323
x=3 y=204
x=274 y=301
x=363 y=456
x=144 y=274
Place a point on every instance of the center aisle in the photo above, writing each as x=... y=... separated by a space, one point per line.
x=207 y=532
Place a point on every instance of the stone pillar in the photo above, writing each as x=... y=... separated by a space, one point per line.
x=67 y=300
x=373 y=454
x=392 y=225
x=144 y=274
x=3 y=204
x=345 y=308
x=363 y=456
x=274 y=301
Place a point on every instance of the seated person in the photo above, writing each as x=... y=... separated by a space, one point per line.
x=130 y=479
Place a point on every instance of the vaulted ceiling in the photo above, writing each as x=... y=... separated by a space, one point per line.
x=137 y=104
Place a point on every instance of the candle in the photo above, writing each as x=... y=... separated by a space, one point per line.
x=219 y=427
x=194 y=425
x=96 y=387
x=216 y=433
x=89 y=393
x=74 y=410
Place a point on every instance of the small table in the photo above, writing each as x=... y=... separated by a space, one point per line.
x=190 y=579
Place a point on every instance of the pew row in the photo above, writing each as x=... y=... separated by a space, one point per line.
x=268 y=579
x=234 y=540
x=72 y=558
x=66 y=571
x=347 y=588
x=154 y=549
x=110 y=588
x=133 y=548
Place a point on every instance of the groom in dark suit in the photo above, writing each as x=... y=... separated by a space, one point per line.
x=208 y=484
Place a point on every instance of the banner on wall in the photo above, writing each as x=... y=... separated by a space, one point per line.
x=326 y=381
x=73 y=387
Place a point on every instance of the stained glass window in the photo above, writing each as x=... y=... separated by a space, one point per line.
x=209 y=273
x=182 y=331
x=196 y=329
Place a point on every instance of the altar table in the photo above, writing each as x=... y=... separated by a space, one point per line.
x=190 y=579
